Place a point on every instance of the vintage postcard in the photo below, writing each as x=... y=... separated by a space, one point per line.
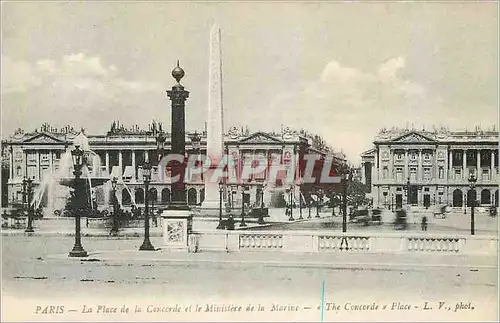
x=316 y=161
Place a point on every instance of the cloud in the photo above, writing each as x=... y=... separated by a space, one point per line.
x=348 y=105
x=17 y=76
x=76 y=88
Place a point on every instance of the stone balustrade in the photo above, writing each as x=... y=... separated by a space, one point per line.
x=320 y=241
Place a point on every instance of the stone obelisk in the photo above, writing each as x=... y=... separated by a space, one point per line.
x=215 y=127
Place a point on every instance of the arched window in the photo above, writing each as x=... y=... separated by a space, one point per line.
x=165 y=196
x=485 y=197
x=126 y=199
x=457 y=198
x=192 y=196
x=153 y=195
x=139 y=196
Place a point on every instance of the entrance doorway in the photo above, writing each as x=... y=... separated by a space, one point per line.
x=413 y=195
x=427 y=200
x=399 y=201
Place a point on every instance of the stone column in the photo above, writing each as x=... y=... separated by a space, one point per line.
x=449 y=169
x=478 y=164
x=11 y=166
x=120 y=162
x=420 y=176
x=38 y=168
x=363 y=175
x=391 y=165
x=464 y=164
x=133 y=166
x=492 y=166
x=51 y=162
x=407 y=174
x=107 y=162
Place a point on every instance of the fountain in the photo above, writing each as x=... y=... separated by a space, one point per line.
x=56 y=185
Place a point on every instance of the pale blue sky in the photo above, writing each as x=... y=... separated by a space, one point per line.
x=343 y=70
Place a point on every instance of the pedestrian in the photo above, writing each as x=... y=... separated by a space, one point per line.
x=424 y=223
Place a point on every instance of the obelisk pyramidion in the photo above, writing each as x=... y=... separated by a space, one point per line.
x=215 y=126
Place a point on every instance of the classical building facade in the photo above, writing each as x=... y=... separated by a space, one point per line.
x=424 y=168
x=121 y=153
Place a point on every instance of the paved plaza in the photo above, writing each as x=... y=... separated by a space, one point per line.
x=34 y=267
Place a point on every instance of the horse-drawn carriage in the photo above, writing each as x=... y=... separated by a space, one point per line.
x=367 y=216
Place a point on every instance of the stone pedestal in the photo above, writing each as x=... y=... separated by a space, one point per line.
x=177 y=225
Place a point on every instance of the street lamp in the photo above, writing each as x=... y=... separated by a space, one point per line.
x=309 y=204
x=346 y=178
x=290 y=199
x=318 y=195
x=300 y=199
x=261 y=213
x=221 y=189
x=114 y=228
x=24 y=194
x=77 y=155
x=243 y=224
x=146 y=173
x=29 y=183
x=472 y=185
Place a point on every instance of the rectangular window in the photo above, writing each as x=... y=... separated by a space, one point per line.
x=426 y=189
x=385 y=172
x=458 y=173
x=441 y=172
x=413 y=174
x=399 y=174
x=427 y=156
x=486 y=174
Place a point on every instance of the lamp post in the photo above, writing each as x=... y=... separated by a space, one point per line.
x=346 y=178
x=24 y=194
x=146 y=172
x=77 y=155
x=300 y=200
x=221 y=189
x=290 y=201
x=243 y=224
x=29 y=183
x=317 y=203
x=309 y=204
x=114 y=228
x=472 y=185
x=261 y=213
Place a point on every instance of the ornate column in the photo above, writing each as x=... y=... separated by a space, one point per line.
x=51 y=162
x=478 y=164
x=11 y=163
x=391 y=164
x=363 y=175
x=120 y=162
x=464 y=163
x=133 y=166
x=420 y=176
x=449 y=169
x=492 y=166
x=107 y=162
x=38 y=168
x=407 y=174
